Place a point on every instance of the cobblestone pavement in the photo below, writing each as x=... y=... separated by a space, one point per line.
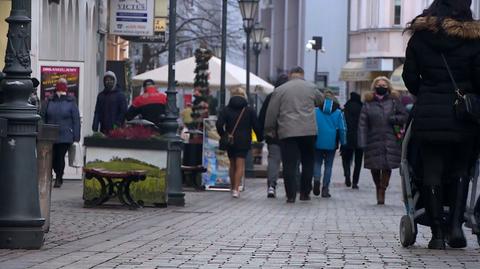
x=215 y=231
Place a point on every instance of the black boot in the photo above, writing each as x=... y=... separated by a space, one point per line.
x=434 y=209
x=456 y=237
x=58 y=182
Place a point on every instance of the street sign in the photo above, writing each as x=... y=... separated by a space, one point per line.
x=132 y=17
x=157 y=38
x=3 y=128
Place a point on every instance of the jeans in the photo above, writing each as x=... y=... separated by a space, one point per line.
x=273 y=166
x=294 y=149
x=322 y=156
x=347 y=159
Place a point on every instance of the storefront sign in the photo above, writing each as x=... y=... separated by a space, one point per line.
x=49 y=76
x=161 y=8
x=131 y=17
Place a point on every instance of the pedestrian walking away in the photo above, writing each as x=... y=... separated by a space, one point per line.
x=445 y=36
x=111 y=106
x=273 y=144
x=238 y=120
x=291 y=118
x=351 y=151
x=331 y=129
x=62 y=110
x=377 y=135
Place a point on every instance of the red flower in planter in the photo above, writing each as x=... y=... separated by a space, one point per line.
x=132 y=132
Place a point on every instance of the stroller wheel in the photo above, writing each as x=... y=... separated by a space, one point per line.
x=407 y=234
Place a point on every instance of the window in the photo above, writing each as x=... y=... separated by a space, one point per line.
x=397 y=12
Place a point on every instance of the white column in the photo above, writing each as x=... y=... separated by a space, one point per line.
x=36 y=25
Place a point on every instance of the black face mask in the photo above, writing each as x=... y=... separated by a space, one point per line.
x=381 y=90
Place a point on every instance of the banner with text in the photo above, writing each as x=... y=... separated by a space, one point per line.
x=132 y=17
x=49 y=76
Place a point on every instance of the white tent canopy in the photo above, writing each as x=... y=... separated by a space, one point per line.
x=184 y=75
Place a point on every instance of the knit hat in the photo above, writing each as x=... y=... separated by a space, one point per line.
x=62 y=85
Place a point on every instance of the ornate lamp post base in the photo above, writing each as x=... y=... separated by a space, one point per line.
x=20 y=217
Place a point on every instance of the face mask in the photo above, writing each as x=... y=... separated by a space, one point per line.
x=381 y=90
x=108 y=83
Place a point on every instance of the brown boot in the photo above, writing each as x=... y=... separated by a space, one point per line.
x=380 y=196
x=383 y=185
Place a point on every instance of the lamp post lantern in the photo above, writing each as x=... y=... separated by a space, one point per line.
x=176 y=197
x=249 y=9
x=316 y=43
x=258 y=34
x=20 y=217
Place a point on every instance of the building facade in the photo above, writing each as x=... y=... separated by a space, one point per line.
x=377 y=43
x=290 y=24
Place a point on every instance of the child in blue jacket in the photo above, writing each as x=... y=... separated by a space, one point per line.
x=331 y=128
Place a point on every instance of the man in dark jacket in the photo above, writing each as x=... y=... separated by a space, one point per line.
x=274 y=153
x=352 y=113
x=150 y=105
x=111 y=105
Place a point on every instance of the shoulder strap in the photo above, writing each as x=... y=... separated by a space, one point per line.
x=238 y=120
x=457 y=90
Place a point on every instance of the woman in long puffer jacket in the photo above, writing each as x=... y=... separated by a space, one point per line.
x=444 y=35
x=380 y=113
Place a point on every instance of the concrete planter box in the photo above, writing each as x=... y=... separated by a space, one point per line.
x=129 y=154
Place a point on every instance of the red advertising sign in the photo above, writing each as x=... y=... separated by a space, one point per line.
x=49 y=76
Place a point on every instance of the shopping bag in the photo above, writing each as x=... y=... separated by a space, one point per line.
x=75 y=155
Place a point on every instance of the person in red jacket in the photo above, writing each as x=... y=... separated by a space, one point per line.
x=151 y=105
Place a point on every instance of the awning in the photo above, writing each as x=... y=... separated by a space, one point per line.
x=355 y=71
x=397 y=80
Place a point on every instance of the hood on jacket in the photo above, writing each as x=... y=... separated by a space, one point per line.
x=370 y=96
x=329 y=106
x=446 y=35
x=355 y=97
x=237 y=102
x=112 y=75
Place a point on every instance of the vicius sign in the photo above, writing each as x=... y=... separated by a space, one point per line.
x=132 y=17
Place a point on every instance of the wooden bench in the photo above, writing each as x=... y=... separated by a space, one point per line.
x=114 y=184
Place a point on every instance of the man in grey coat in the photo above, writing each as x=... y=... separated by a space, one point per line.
x=291 y=118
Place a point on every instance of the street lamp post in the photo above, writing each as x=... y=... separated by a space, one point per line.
x=224 y=54
x=249 y=10
x=258 y=34
x=20 y=217
x=315 y=44
x=176 y=197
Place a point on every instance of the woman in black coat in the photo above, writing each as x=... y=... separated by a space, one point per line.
x=242 y=136
x=447 y=144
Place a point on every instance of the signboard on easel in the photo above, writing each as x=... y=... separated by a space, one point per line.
x=216 y=161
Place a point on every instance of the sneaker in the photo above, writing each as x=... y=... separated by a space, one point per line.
x=235 y=194
x=325 y=192
x=316 y=188
x=271 y=192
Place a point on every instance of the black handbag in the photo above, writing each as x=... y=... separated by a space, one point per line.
x=226 y=140
x=466 y=105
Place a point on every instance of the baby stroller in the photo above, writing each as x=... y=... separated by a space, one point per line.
x=415 y=211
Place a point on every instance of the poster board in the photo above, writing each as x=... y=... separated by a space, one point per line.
x=132 y=17
x=50 y=74
x=215 y=160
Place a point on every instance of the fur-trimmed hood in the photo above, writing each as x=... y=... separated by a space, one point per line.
x=370 y=96
x=451 y=27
